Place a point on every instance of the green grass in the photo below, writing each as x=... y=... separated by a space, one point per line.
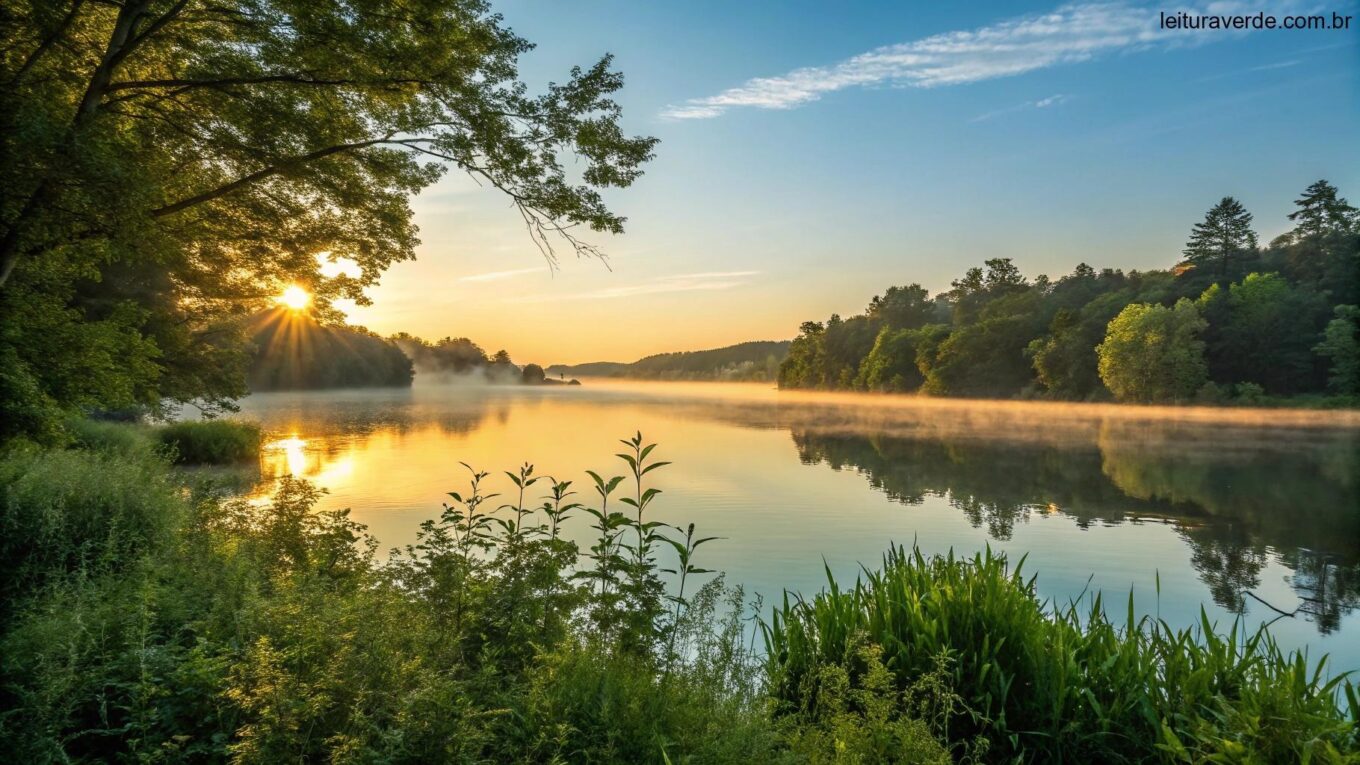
x=211 y=442
x=1065 y=684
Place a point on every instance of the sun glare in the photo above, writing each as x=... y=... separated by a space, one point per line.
x=295 y=298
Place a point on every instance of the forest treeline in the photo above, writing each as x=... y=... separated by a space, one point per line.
x=294 y=352
x=755 y=361
x=1232 y=321
x=458 y=358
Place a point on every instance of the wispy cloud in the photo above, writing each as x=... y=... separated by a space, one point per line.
x=1249 y=70
x=712 y=280
x=1070 y=34
x=1042 y=103
x=492 y=276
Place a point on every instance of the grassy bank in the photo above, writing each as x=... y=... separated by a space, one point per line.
x=146 y=621
x=202 y=442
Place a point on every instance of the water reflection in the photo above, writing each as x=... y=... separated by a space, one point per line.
x=1236 y=508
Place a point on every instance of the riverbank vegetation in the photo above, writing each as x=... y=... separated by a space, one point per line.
x=148 y=617
x=1233 y=322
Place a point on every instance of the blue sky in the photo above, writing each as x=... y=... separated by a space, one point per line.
x=887 y=143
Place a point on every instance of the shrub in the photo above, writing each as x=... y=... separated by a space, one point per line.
x=212 y=442
x=1248 y=393
x=62 y=511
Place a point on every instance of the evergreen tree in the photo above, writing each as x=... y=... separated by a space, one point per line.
x=1223 y=239
x=1322 y=212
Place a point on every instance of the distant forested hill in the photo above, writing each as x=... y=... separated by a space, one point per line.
x=294 y=352
x=754 y=361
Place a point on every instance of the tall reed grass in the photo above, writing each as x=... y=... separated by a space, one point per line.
x=1064 y=684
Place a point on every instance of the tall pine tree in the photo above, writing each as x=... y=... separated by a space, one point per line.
x=1322 y=212
x=1223 y=240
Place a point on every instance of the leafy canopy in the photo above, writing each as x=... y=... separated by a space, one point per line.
x=171 y=164
x=1153 y=353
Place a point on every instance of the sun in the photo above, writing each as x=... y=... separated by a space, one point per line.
x=295 y=298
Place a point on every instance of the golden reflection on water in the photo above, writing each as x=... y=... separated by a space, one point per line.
x=287 y=457
x=295 y=457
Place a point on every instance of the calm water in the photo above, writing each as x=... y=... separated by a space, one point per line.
x=1216 y=503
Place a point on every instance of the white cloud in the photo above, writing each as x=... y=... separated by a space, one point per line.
x=712 y=280
x=1070 y=34
x=493 y=276
x=1042 y=103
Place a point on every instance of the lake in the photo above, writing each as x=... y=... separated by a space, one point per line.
x=1189 y=508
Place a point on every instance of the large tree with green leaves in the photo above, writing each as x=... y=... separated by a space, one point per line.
x=1154 y=353
x=1341 y=347
x=169 y=164
x=1222 y=240
x=1262 y=330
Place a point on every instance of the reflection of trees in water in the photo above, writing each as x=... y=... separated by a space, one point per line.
x=1235 y=500
x=1228 y=561
x=1328 y=586
x=998 y=518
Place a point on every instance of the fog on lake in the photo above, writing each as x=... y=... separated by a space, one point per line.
x=1215 y=508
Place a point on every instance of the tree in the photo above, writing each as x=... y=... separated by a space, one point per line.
x=891 y=363
x=1341 y=344
x=1323 y=250
x=1321 y=211
x=977 y=287
x=532 y=374
x=170 y=165
x=1262 y=331
x=804 y=366
x=845 y=344
x=1223 y=239
x=907 y=307
x=1065 y=360
x=1153 y=353
x=457 y=355
x=986 y=358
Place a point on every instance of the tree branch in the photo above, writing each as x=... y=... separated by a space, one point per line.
x=259 y=175
x=291 y=79
x=47 y=43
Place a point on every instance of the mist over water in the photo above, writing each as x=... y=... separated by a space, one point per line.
x=1216 y=503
